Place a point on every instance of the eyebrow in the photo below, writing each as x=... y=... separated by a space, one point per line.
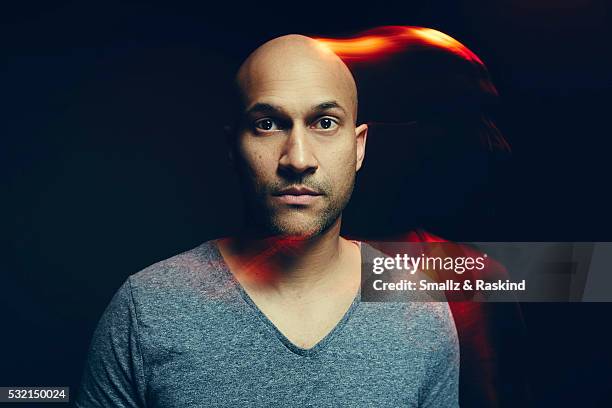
x=263 y=108
x=268 y=108
x=324 y=106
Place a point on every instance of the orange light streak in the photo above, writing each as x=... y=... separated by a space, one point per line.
x=386 y=40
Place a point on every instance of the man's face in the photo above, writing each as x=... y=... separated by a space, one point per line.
x=298 y=148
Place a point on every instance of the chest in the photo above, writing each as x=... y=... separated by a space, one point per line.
x=231 y=356
x=305 y=323
x=249 y=372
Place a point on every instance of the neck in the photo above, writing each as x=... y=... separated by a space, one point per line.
x=286 y=264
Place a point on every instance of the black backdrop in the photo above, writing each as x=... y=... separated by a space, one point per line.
x=112 y=157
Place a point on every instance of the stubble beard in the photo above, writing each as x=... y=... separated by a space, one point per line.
x=268 y=220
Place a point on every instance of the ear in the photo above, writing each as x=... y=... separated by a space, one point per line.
x=361 y=135
x=228 y=132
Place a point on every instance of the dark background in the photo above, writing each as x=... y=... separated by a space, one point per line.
x=112 y=157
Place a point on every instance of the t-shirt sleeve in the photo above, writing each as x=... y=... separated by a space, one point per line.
x=441 y=385
x=113 y=375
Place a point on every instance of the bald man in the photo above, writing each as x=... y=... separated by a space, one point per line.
x=273 y=316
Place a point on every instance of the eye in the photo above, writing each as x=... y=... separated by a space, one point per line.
x=325 y=124
x=266 y=125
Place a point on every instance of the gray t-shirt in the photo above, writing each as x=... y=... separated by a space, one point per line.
x=184 y=333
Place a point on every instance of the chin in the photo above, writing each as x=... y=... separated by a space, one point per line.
x=299 y=228
x=294 y=232
x=297 y=225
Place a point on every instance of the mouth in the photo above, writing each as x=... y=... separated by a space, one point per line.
x=297 y=195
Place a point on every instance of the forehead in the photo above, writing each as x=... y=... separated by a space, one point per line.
x=296 y=84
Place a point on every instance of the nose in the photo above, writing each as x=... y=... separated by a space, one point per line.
x=297 y=155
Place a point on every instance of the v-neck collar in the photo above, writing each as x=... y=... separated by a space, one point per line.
x=309 y=352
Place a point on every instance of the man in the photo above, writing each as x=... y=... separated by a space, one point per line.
x=273 y=317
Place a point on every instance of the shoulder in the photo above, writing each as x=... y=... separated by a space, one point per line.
x=180 y=266
x=199 y=270
x=430 y=317
x=435 y=321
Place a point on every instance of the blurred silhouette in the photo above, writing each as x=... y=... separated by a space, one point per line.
x=437 y=162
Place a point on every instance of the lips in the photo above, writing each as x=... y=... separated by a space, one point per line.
x=297 y=195
x=298 y=191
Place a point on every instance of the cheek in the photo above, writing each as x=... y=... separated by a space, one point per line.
x=341 y=166
x=256 y=160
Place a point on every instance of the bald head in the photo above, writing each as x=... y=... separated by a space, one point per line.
x=300 y=66
x=296 y=130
